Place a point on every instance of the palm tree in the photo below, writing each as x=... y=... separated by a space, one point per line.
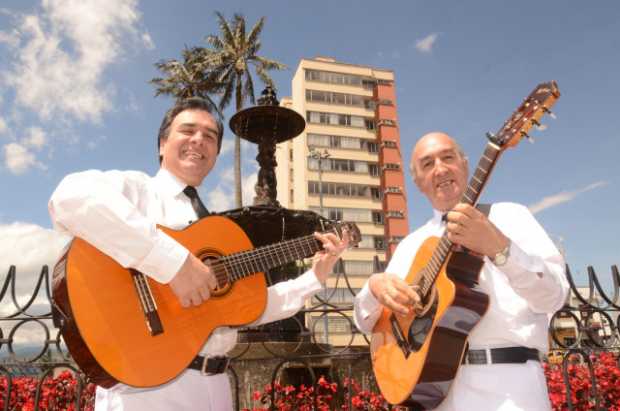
x=186 y=79
x=229 y=61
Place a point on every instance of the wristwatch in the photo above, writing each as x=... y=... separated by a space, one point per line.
x=502 y=256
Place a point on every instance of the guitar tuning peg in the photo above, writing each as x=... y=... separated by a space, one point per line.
x=541 y=127
x=527 y=136
x=550 y=113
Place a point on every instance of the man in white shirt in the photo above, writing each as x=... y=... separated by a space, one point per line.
x=118 y=212
x=523 y=274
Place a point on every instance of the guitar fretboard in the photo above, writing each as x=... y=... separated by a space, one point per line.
x=470 y=196
x=240 y=265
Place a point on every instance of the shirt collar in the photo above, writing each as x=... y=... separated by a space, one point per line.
x=437 y=216
x=168 y=184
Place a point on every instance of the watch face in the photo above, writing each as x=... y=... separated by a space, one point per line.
x=500 y=259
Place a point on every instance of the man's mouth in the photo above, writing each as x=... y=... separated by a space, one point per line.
x=445 y=184
x=192 y=155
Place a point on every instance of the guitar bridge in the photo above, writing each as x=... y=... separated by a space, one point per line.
x=400 y=337
x=147 y=302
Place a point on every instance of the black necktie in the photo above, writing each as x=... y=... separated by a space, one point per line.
x=197 y=205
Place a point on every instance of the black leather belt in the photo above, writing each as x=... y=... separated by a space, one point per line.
x=210 y=365
x=508 y=355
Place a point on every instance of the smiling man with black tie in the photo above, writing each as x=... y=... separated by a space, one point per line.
x=118 y=212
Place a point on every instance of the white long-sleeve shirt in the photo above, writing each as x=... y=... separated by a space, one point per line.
x=118 y=212
x=523 y=293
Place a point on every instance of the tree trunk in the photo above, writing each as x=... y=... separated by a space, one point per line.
x=239 y=101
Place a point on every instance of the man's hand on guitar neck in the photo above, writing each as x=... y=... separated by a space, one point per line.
x=324 y=260
x=193 y=282
x=468 y=227
x=394 y=293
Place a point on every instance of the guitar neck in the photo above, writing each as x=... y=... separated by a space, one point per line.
x=236 y=266
x=470 y=196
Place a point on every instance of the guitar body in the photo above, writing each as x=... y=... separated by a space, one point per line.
x=437 y=340
x=103 y=323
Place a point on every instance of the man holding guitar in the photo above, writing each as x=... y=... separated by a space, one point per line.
x=523 y=275
x=119 y=212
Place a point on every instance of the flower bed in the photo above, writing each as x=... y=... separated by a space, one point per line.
x=60 y=393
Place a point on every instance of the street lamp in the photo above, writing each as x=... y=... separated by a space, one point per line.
x=320 y=156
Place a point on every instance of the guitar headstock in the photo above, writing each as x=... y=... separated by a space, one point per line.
x=354 y=232
x=536 y=105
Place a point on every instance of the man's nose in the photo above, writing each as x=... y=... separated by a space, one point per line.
x=197 y=138
x=440 y=166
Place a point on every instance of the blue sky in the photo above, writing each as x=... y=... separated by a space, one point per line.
x=74 y=95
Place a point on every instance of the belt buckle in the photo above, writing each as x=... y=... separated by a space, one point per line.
x=220 y=369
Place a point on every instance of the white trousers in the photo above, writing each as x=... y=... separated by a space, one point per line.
x=498 y=387
x=189 y=391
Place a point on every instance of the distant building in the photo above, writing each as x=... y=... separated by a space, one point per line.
x=352 y=131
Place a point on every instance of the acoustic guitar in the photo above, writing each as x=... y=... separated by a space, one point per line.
x=121 y=326
x=415 y=358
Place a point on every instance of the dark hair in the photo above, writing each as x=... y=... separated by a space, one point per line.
x=190 y=103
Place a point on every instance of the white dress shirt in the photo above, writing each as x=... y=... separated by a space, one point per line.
x=118 y=212
x=523 y=294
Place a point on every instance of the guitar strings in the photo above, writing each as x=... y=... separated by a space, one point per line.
x=248 y=262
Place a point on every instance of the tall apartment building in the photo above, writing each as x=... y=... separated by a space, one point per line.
x=352 y=131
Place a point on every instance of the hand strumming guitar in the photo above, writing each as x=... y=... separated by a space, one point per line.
x=394 y=293
x=193 y=282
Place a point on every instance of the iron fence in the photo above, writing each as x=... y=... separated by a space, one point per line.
x=30 y=344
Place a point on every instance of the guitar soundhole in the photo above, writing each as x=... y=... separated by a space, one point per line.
x=210 y=257
x=421 y=326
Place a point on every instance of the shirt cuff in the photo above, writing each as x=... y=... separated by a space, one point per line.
x=520 y=267
x=164 y=260
x=308 y=283
x=367 y=304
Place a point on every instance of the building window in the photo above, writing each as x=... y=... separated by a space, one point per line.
x=395 y=214
x=389 y=144
x=373 y=169
x=391 y=166
x=385 y=102
x=379 y=242
x=335 y=119
x=386 y=122
x=339 y=78
x=341 y=189
x=377 y=217
x=372 y=241
x=329 y=97
x=375 y=193
x=393 y=190
x=372 y=147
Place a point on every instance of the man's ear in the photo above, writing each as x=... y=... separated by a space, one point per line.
x=162 y=144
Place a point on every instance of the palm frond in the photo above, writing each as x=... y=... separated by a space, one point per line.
x=248 y=87
x=239 y=29
x=269 y=64
x=227 y=95
x=228 y=34
x=256 y=31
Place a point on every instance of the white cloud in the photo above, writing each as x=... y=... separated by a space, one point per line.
x=222 y=197
x=227 y=146
x=28 y=247
x=3 y=126
x=62 y=52
x=19 y=159
x=36 y=138
x=425 y=45
x=563 y=197
x=247 y=188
